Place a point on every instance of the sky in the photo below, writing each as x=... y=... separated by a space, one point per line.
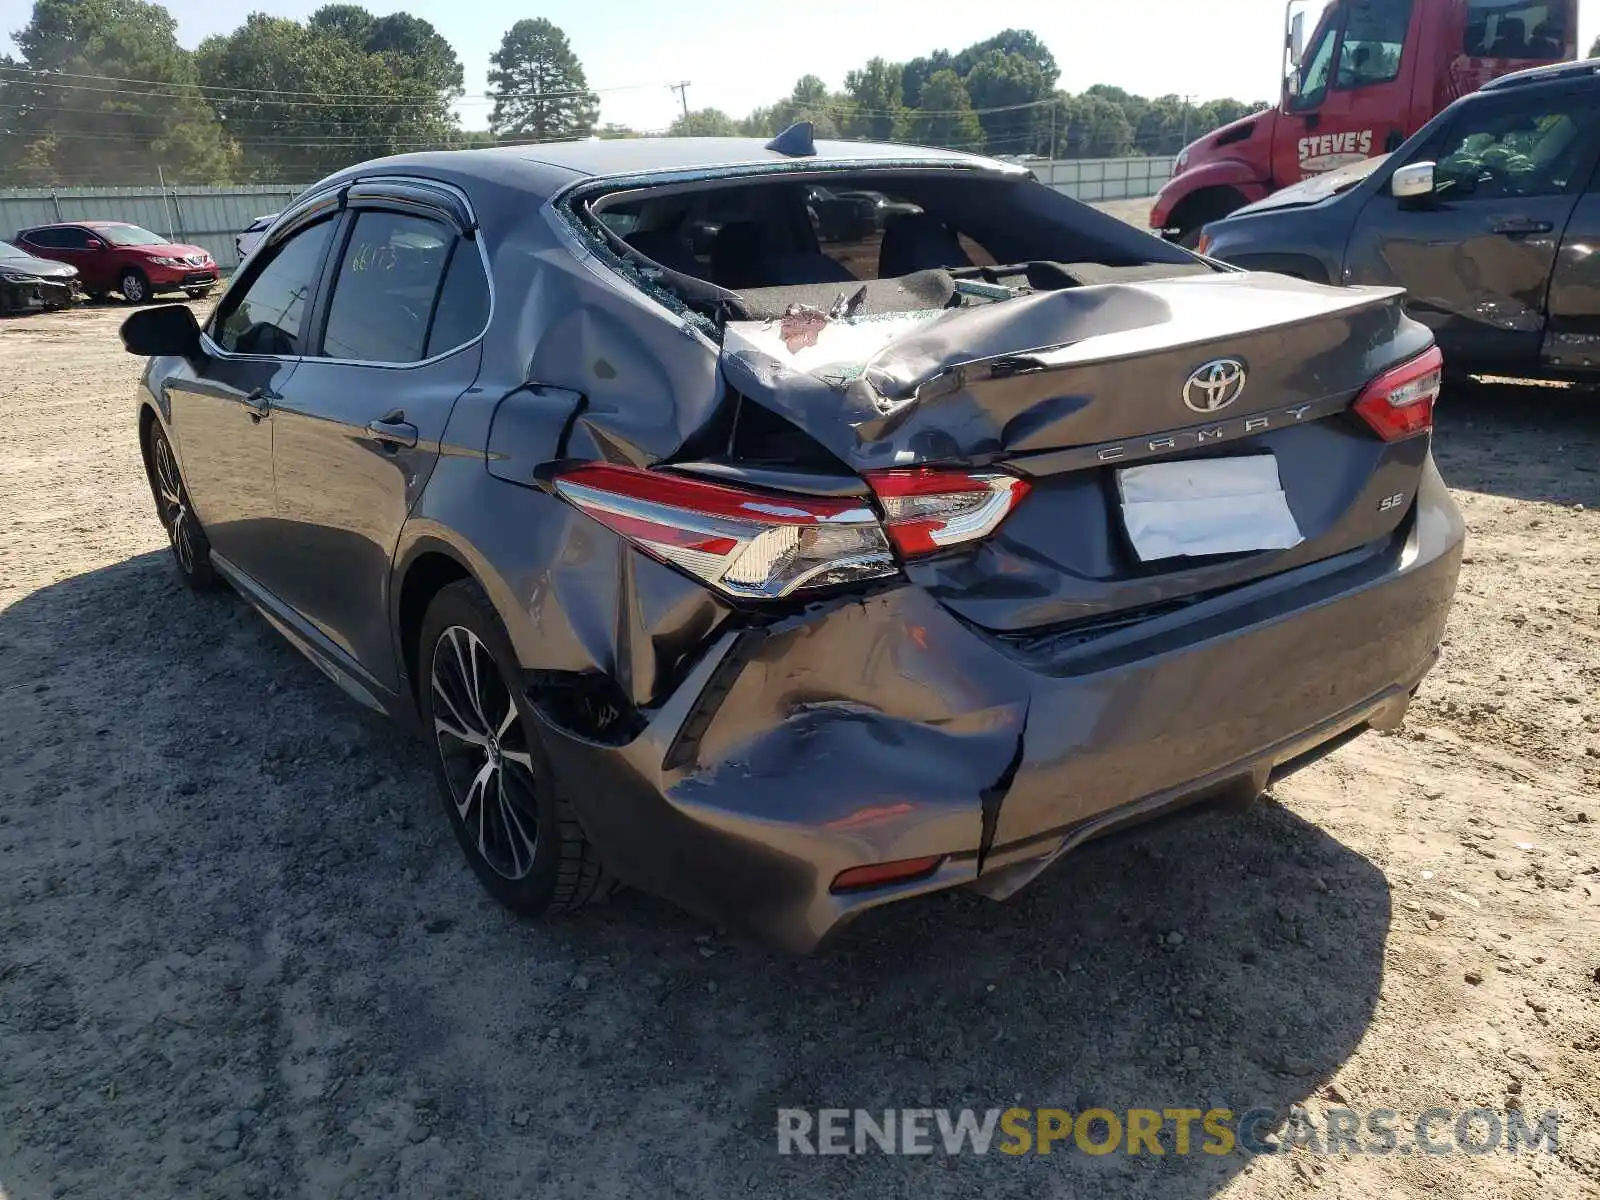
x=737 y=55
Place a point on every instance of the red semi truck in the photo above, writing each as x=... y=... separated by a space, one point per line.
x=1371 y=74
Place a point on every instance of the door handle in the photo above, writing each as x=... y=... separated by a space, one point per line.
x=393 y=431
x=258 y=402
x=1522 y=227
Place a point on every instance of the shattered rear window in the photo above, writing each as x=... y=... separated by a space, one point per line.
x=855 y=245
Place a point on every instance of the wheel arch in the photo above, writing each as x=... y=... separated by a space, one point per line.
x=1200 y=208
x=430 y=565
x=149 y=418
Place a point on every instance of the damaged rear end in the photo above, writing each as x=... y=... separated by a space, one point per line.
x=1055 y=529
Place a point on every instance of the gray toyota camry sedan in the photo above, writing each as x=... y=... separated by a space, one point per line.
x=788 y=569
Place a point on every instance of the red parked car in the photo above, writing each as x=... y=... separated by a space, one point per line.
x=113 y=256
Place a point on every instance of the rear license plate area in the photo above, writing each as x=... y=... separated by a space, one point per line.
x=1206 y=507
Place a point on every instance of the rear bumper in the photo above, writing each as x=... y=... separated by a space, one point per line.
x=885 y=729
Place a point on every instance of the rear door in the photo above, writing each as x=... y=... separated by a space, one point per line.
x=359 y=428
x=1477 y=257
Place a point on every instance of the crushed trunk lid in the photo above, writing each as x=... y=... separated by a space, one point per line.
x=1068 y=388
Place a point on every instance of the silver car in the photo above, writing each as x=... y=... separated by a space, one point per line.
x=251 y=237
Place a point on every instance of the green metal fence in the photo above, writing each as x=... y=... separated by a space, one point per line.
x=202 y=216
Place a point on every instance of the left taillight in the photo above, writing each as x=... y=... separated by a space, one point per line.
x=1399 y=403
x=748 y=544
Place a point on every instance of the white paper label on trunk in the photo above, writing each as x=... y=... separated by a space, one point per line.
x=1209 y=506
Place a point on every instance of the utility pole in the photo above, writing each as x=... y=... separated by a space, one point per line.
x=683 y=94
x=1054 y=104
x=1187 y=104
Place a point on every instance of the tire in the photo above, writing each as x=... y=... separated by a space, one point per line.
x=491 y=749
x=133 y=285
x=199 y=293
x=191 y=551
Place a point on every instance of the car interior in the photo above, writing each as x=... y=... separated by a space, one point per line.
x=762 y=245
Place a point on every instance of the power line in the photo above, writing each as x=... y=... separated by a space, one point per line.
x=36 y=77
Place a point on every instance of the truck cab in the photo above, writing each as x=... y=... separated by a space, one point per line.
x=1370 y=74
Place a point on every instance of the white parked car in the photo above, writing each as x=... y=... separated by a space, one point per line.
x=247 y=240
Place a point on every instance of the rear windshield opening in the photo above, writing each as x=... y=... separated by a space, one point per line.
x=870 y=243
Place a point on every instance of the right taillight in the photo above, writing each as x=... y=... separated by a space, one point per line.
x=1399 y=403
x=929 y=509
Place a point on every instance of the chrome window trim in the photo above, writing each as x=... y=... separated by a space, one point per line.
x=210 y=346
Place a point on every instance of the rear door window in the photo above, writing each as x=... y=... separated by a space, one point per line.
x=49 y=239
x=463 y=308
x=268 y=315
x=385 y=288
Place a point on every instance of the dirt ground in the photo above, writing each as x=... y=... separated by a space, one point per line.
x=241 y=956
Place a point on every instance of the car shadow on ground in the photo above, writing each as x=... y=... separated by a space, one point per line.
x=1528 y=442
x=226 y=888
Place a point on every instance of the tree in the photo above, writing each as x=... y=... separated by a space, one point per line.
x=1006 y=82
x=917 y=72
x=945 y=117
x=309 y=100
x=543 y=93
x=1023 y=42
x=82 y=130
x=349 y=21
x=809 y=101
x=999 y=93
x=876 y=109
x=611 y=131
x=1594 y=50
x=762 y=122
x=413 y=46
x=1097 y=128
x=704 y=122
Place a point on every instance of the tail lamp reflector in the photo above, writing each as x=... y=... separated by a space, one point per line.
x=1399 y=403
x=882 y=874
x=747 y=544
x=928 y=509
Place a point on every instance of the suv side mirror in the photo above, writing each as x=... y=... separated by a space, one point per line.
x=95 y=244
x=167 y=330
x=1412 y=181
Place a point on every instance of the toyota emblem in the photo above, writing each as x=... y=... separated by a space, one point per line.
x=1215 y=385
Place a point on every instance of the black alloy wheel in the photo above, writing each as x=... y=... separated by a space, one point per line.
x=190 y=548
x=499 y=791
